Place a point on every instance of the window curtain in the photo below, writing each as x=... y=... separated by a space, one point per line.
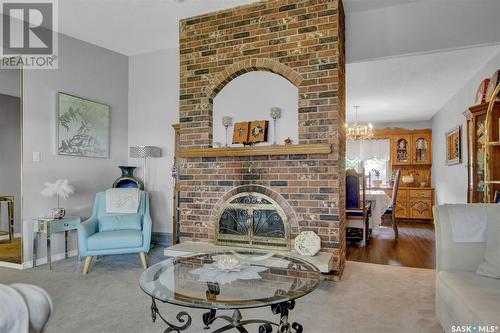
x=363 y=150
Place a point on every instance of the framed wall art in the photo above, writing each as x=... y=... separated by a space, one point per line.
x=454 y=146
x=83 y=127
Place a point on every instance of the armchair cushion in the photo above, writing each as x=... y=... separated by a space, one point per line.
x=491 y=265
x=118 y=239
x=468 y=298
x=114 y=222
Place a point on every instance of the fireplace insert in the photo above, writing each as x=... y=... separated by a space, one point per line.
x=254 y=220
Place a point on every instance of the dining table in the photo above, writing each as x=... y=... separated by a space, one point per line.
x=379 y=201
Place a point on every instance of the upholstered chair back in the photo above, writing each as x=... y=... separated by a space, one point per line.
x=395 y=190
x=353 y=187
x=118 y=221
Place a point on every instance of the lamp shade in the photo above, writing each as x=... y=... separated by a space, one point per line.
x=145 y=152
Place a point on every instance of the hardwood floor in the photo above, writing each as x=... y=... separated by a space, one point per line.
x=11 y=252
x=414 y=248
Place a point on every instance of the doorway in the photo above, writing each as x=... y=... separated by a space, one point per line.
x=11 y=124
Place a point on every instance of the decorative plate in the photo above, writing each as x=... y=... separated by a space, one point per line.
x=307 y=243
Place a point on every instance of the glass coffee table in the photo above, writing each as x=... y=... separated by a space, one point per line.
x=230 y=281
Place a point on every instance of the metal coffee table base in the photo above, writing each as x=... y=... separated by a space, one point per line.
x=234 y=322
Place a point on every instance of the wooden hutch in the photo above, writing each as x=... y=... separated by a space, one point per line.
x=476 y=116
x=411 y=152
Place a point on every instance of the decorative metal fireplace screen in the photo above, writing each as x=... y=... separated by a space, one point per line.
x=252 y=219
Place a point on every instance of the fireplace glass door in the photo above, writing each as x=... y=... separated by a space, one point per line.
x=253 y=220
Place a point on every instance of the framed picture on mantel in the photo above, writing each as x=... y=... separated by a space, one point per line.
x=454 y=146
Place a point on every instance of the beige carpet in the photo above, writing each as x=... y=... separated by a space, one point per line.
x=370 y=298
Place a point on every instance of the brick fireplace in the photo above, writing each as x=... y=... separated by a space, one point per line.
x=303 y=41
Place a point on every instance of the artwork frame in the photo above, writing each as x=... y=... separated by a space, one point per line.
x=454 y=146
x=240 y=132
x=82 y=127
x=250 y=132
x=258 y=131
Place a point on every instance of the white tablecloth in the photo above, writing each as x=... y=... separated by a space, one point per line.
x=380 y=201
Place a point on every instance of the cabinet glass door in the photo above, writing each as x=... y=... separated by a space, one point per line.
x=480 y=140
x=422 y=154
x=402 y=150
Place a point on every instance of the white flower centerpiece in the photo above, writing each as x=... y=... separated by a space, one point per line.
x=61 y=189
x=228 y=268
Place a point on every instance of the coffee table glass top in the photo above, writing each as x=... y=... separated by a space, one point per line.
x=230 y=280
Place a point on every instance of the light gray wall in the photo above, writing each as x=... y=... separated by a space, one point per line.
x=451 y=181
x=153 y=108
x=88 y=71
x=10 y=82
x=10 y=156
x=403 y=124
x=250 y=97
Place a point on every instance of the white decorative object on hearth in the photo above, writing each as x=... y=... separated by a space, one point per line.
x=307 y=243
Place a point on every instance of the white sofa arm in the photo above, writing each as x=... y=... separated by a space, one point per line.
x=24 y=308
x=458 y=256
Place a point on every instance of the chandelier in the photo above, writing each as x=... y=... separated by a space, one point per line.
x=359 y=131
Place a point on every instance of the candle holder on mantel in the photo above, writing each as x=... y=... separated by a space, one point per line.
x=275 y=114
x=227 y=122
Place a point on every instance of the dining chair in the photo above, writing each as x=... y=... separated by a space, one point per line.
x=357 y=209
x=392 y=209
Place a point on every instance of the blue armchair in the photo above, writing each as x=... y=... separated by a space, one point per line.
x=109 y=233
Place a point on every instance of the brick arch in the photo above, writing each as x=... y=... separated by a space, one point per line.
x=282 y=202
x=251 y=65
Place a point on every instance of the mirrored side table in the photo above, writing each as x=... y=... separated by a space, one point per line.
x=48 y=226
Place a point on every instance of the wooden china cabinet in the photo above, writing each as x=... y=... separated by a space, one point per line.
x=476 y=117
x=411 y=152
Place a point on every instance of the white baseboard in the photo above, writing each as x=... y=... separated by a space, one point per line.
x=39 y=261
x=5 y=237
x=5 y=264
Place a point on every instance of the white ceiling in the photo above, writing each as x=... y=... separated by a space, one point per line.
x=364 y=5
x=420 y=26
x=406 y=58
x=411 y=88
x=133 y=27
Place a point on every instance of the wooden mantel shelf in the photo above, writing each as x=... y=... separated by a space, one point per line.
x=314 y=148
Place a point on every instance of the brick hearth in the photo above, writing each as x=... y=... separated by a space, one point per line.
x=303 y=41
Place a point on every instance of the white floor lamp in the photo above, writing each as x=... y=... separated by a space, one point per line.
x=145 y=152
